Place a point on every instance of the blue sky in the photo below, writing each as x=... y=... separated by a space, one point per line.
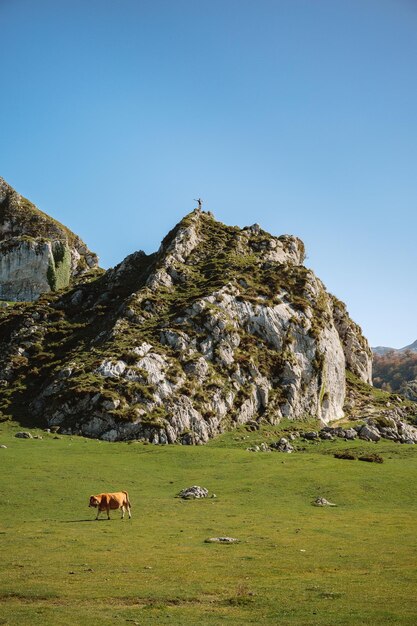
x=296 y=114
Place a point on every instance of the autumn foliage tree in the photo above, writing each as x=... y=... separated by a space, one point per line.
x=393 y=370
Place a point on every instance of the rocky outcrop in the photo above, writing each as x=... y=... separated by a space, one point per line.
x=409 y=390
x=37 y=253
x=357 y=352
x=222 y=326
x=388 y=424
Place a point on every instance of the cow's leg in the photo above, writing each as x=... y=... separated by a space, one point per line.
x=108 y=512
x=98 y=513
x=128 y=510
x=123 y=511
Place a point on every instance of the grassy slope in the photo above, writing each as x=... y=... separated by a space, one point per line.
x=296 y=564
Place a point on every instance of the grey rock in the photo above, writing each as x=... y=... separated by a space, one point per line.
x=311 y=435
x=221 y=540
x=109 y=369
x=322 y=502
x=283 y=445
x=326 y=436
x=190 y=493
x=350 y=433
x=369 y=433
x=407 y=432
x=389 y=433
x=24 y=435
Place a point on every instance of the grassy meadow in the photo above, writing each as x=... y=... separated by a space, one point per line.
x=295 y=564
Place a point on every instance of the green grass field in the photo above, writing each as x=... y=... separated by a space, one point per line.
x=295 y=564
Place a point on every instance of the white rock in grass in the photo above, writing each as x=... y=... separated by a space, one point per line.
x=221 y=540
x=322 y=502
x=193 y=492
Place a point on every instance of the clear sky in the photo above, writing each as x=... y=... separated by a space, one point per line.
x=300 y=115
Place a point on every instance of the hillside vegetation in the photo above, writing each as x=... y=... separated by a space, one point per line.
x=396 y=371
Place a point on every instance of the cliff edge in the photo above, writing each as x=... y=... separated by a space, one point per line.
x=37 y=253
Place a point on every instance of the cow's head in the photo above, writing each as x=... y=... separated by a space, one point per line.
x=94 y=501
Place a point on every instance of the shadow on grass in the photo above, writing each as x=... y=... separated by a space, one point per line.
x=77 y=521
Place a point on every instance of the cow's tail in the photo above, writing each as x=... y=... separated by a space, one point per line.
x=127 y=498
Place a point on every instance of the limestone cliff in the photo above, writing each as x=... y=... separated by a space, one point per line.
x=37 y=253
x=221 y=326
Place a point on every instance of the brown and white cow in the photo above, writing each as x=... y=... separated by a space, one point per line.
x=107 y=501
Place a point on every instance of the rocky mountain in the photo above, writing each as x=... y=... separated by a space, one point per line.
x=220 y=327
x=410 y=348
x=37 y=253
x=381 y=350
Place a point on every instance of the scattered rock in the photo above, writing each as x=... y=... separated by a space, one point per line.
x=387 y=425
x=191 y=493
x=3 y=446
x=369 y=433
x=311 y=435
x=24 y=435
x=350 y=433
x=283 y=445
x=326 y=436
x=322 y=502
x=221 y=540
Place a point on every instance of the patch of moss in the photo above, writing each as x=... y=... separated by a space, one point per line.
x=59 y=268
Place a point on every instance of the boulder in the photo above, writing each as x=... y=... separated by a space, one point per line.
x=283 y=445
x=221 y=540
x=311 y=435
x=350 y=433
x=191 y=493
x=369 y=433
x=322 y=502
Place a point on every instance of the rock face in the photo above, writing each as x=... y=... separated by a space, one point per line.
x=222 y=326
x=37 y=254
